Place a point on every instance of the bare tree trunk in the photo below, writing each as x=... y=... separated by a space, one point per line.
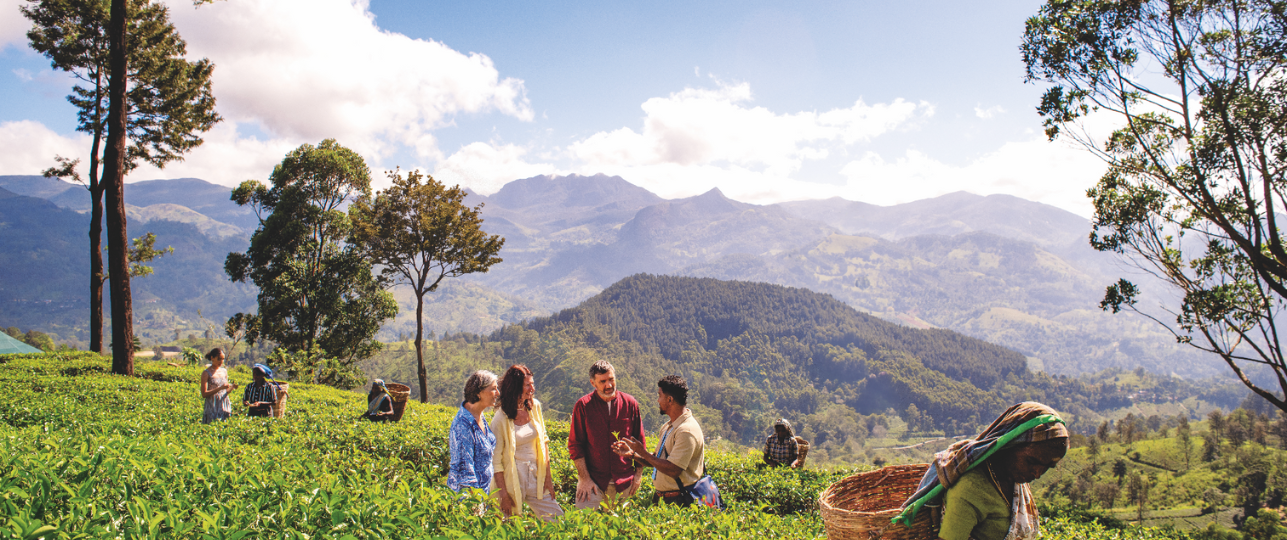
x=114 y=188
x=95 y=252
x=420 y=351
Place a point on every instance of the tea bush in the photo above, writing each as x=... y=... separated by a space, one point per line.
x=87 y=454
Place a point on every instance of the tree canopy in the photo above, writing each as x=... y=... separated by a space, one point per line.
x=421 y=233
x=1194 y=190
x=317 y=296
x=169 y=99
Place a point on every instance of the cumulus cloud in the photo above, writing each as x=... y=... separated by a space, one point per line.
x=711 y=133
x=1056 y=173
x=989 y=112
x=30 y=147
x=13 y=26
x=485 y=167
x=306 y=70
x=226 y=158
x=696 y=140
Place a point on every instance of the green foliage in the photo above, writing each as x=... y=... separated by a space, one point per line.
x=314 y=365
x=168 y=104
x=144 y=251
x=420 y=234
x=1195 y=177
x=1265 y=525
x=314 y=291
x=86 y=454
x=836 y=374
x=38 y=339
x=783 y=348
x=169 y=99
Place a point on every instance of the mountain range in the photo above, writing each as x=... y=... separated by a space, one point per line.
x=999 y=268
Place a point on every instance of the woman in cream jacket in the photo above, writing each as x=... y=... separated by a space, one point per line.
x=521 y=462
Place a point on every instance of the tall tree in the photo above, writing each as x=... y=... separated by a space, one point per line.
x=169 y=100
x=421 y=233
x=317 y=294
x=1195 y=189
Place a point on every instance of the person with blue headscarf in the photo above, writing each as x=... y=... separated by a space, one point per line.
x=260 y=397
x=980 y=485
x=379 y=405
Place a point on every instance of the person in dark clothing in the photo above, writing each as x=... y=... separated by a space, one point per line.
x=781 y=448
x=379 y=403
x=260 y=396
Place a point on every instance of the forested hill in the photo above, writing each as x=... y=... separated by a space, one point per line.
x=674 y=315
x=756 y=351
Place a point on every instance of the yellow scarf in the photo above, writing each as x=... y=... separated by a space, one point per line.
x=503 y=458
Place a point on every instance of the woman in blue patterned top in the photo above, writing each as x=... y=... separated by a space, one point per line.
x=471 y=440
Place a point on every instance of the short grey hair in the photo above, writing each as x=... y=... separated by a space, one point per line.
x=476 y=383
x=600 y=367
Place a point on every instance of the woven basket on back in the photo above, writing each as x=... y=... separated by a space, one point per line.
x=860 y=506
x=399 y=393
x=279 y=406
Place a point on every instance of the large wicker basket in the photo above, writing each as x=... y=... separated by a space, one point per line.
x=283 y=392
x=860 y=506
x=399 y=393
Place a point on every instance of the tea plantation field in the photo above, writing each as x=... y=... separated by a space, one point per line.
x=86 y=454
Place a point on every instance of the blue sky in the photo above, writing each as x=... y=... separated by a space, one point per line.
x=883 y=102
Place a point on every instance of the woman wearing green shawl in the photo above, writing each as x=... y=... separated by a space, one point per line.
x=981 y=484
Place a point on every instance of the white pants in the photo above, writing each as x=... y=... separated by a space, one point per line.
x=547 y=509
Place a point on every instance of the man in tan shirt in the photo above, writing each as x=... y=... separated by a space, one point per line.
x=680 y=456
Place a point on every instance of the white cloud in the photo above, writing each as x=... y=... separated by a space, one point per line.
x=485 y=167
x=1056 y=173
x=694 y=136
x=696 y=140
x=227 y=158
x=30 y=147
x=989 y=112
x=13 y=26
x=312 y=69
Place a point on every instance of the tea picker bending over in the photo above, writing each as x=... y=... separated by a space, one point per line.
x=982 y=483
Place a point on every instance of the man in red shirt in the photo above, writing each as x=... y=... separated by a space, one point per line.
x=599 y=419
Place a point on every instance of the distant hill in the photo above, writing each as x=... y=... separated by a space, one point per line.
x=997 y=268
x=949 y=215
x=44 y=275
x=221 y=216
x=754 y=352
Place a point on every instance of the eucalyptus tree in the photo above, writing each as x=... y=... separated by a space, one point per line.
x=1194 y=191
x=168 y=104
x=421 y=233
x=318 y=298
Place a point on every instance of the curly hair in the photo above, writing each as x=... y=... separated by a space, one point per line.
x=476 y=383
x=675 y=387
x=511 y=389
